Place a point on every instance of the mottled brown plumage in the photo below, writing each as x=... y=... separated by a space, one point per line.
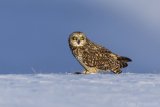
x=93 y=57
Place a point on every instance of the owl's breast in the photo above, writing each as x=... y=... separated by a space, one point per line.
x=77 y=52
x=80 y=56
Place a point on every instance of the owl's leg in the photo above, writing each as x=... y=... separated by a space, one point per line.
x=86 y=72
x=90 y=71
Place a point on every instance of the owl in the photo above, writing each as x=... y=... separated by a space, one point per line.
x=93 y=57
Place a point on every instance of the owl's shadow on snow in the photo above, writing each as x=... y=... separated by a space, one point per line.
x=100 y=72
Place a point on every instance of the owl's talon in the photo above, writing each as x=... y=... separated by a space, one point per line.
x=117 y=72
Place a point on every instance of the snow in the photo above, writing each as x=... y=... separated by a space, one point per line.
x=67 y=90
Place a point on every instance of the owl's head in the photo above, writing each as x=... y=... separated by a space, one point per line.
x=77 y=39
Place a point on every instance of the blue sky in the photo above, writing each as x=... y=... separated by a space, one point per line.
x=34 y=33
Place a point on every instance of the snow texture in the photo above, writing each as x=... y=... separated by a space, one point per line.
x=67 y=90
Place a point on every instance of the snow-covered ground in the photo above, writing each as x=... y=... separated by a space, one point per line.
x=67 y=90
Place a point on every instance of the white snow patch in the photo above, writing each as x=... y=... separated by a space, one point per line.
x=67 y=90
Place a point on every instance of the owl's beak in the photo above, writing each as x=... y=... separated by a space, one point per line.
x=78 y=41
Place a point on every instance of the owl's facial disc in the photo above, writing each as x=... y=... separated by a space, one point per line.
x=78 y=39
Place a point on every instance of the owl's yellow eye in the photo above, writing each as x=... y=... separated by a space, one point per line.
x=74 y=38
x=82 y=38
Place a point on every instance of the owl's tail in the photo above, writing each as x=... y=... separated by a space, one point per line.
x=124 y=61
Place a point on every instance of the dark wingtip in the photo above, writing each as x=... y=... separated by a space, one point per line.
x=129 y=60
x=125 y=59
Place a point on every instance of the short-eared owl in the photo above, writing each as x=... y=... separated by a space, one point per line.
x=93 y=57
